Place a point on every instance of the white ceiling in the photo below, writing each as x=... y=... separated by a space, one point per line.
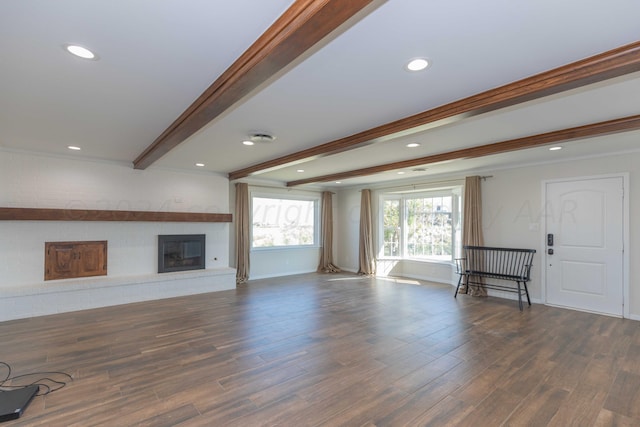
x=158 y=56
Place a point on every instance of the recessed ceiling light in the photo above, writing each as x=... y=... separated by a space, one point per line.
x=73 y=147
x=417 y=64
x=401 y=173
x=555 y=148
x=338 y=182
x=200 y=165
x=247 y=142
x=300 y=170
x=413 y=145
x=80 y=51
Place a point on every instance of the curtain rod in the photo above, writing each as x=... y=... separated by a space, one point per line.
x=418 y=184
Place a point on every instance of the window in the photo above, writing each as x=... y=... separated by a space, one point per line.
x=391 y=228
x=279 y=222
x=421 y=225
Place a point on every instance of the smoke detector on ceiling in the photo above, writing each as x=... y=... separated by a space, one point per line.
x=261 y=137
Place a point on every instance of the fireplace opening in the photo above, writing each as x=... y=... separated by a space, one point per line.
x=180 y=252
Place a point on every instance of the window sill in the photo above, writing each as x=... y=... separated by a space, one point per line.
x=418 y=260
x=284 y=248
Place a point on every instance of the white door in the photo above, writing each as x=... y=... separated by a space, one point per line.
x=584 y=263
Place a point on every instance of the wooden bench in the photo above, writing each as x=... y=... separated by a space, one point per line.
x=496 y=263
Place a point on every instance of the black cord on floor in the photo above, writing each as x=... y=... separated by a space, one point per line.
x=47 y=385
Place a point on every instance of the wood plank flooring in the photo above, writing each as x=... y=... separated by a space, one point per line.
x=330 y=350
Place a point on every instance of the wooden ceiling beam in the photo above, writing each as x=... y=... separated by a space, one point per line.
x=625 y=124
x=304 y=24
x=607 y=65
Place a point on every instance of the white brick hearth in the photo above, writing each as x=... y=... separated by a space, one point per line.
x=59 y=296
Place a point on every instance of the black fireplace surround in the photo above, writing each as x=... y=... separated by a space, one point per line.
x=181 y=252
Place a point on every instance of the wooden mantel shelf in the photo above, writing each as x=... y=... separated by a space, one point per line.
x=39 y=214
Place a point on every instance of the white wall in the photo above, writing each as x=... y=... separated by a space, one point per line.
x=283 y=262
x=346 y=241
x=512 y=201
x=35 y=181
x=132 y=246
x=40 y=181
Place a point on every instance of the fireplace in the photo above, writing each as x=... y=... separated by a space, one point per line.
x=180 y=252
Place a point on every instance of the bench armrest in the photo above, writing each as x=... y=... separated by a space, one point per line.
x=526 y=271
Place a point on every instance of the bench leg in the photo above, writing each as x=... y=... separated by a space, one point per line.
x=526 y=290
x=519 y=297
x=458 y=287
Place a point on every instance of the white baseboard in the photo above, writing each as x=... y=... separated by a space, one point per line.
x=427 y=279
x=511 y=296
x=288 y=273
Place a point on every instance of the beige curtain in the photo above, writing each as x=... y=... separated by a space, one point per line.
x=472 y=226
x=366 y=256
x=242 y=232
x=326 y=239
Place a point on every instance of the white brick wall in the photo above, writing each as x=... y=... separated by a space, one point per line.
x=35 y=181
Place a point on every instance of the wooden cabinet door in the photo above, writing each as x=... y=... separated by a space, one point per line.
x=58 y=261
x=66 y=260
x=91 y=259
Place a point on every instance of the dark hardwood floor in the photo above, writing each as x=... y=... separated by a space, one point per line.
x=332 y=350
